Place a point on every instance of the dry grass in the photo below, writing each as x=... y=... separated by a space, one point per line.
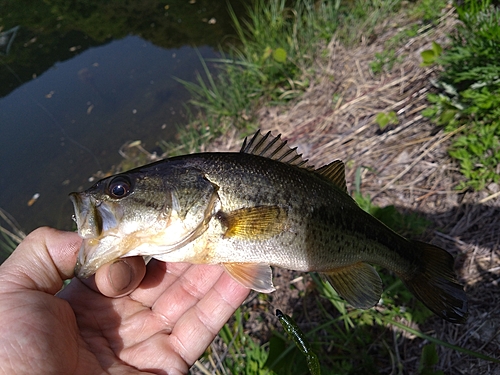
x=407 y=166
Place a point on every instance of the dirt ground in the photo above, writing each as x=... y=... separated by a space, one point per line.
x=405 y=165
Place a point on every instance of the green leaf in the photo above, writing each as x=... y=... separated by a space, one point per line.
x=428 y=360
x=429 y=356
x=383 y=119
x=284 y=359
x=476 y=149
x=447 y=116
x=279 y=55
x=428 y=57
x=436 y=47
x=429 y=112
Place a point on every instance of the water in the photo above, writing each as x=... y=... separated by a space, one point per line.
x=59 y=128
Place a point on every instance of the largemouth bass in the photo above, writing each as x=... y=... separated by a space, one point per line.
x=246 y=211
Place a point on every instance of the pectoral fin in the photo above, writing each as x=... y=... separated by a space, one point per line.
x=254 y=223
x=359 y=284
x=258 y=277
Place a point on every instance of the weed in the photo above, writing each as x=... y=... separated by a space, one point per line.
x=428 y=360
x=428 y=11
x=275 y=47
x=384 y=61
x=10 y=235
x=430 y=56
x=243 y=356
x=384 y=119
x=471 y=97
x=271 y=60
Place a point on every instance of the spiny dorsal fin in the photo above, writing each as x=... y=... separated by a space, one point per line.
x=334 y=172
x=274 y=148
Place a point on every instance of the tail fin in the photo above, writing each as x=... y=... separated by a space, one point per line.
x=437 y=287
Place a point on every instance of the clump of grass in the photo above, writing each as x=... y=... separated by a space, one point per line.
x=426 y=14
x=10 y=235
x=470 y=97
x=265 y=64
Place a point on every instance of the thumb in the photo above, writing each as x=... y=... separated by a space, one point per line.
x=120 y=277
x=42 y=261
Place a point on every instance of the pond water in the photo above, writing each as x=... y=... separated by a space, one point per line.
x=74 y=91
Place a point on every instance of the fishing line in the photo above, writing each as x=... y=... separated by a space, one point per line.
x=51 y=117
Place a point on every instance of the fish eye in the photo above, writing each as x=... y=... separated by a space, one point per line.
x=119 y=187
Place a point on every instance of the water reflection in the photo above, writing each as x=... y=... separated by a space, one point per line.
x=62 y=126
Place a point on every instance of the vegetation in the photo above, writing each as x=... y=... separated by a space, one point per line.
x=470 y=95
x=266 y=63
x=270 y=62
x=10 y=235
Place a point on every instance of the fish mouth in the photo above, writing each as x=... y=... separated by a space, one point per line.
x=95 y=220
x=87 y=218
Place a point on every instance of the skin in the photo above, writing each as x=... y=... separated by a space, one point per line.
x=129 y=319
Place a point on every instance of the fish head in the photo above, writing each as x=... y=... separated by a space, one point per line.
x=113 y=213
x=146 y=212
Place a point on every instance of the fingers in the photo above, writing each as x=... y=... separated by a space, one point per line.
x=189 y=287
x=185 y=320
x=197 y=328
x=42 y=261
x=121 y=277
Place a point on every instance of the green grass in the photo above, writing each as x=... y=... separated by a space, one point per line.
x=470 y=94
x=423 y=15
x=266 y=64
x=270 y=61
x=10 y=235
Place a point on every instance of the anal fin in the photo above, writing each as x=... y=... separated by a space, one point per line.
x=359 y=284
x=258 y=277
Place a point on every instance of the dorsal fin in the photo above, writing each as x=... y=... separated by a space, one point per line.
x=273 y=148
x=334 y=172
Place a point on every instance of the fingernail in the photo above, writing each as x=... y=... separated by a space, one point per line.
x=120 y=275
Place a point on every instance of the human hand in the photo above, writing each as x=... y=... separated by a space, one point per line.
x=159 y=323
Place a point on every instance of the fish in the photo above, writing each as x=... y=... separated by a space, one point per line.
x=249 y=210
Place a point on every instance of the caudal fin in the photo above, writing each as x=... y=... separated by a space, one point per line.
x=436 y=285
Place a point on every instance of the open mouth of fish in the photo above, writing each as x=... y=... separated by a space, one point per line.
x=96 y=222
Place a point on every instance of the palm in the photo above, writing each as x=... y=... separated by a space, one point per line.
x=164 y=325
